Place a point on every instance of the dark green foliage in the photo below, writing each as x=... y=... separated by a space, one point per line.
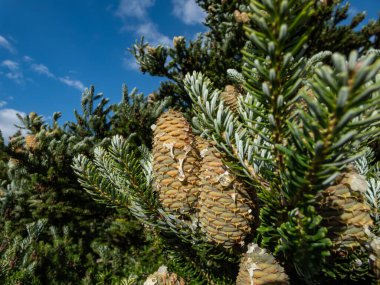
x=223 y=41
x=335 y=35
x=81 y=240
x=296 y=138
x=135 y=114
x=219 y=48
x=121 y=175
x=298 y=125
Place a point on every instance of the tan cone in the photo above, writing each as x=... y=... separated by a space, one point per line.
x=175 y=163
x=225 y=209
x=345 y=213
x=258 y=267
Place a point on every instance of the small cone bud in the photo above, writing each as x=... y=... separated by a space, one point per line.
x=178 y=41
x=13 y=163
x=241 y=17
x=31 y=142
x=151 y=98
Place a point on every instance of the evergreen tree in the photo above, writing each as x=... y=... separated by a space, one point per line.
x=262 y=190
x=80 y=242
x=218 y=49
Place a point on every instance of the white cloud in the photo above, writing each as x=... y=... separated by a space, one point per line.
x=4 y=43
x=27 y=58
x=2 y=103
x=129 y=62
x=151 y=34
x=42 y=69
x=141 y=25
x=10 y=64
x=188 y=11
x=14 y=72
x=135 y=18
x=72 y=83
x=134 y=8
x=8 y=117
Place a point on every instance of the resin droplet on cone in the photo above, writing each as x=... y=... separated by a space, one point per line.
x=163 y=277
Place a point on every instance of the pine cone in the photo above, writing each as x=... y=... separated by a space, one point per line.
x=31 y=142
x=345 y=213
x=225 y=208
x=163 y=277
x=175 y=164
x=260 y=268
x=230 y=97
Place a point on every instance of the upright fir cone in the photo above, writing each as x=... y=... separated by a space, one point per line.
x=225 y=208
x=163 y=277
x=345 y=213
x=258 y=267
x=230 y=97
x=175 y=163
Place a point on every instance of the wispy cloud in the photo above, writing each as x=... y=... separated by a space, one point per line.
x=13 y=70
x=72 y=82
x=42 y=69
x=129 y=62
x=188 y=11
x=2 y=103
x=8 y=117
x=150 y=32
x=134 y=8
x=27 y=58
x=10 y=64
x=4 y=43
x=135 y=17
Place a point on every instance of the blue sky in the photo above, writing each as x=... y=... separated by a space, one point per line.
x=50 y=50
